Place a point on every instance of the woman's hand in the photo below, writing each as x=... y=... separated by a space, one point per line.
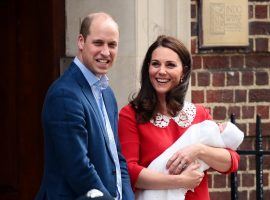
x=182 y=158
x=191 y=177
x=216 y=158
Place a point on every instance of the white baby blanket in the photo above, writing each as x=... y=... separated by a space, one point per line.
x=206 y=132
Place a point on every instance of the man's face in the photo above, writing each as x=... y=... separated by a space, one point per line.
x=99 y=50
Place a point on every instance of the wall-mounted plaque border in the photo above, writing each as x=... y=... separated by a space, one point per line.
x=223 y=23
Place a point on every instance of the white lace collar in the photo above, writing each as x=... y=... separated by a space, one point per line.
x=183 y=119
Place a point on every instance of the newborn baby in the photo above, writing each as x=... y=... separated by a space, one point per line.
x=206 y=132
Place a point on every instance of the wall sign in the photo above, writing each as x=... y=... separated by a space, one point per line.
x=223 y=23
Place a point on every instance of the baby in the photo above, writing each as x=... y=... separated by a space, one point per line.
x=207 y=132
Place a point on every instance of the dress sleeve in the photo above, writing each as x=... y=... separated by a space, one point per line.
x=235 y=161
x=129 y=139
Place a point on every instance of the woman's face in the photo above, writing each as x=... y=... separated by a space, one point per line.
x=165 y=70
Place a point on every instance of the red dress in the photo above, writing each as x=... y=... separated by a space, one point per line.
x=142 y=143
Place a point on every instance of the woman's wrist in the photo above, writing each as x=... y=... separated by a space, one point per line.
x=201 y=150
x=179 y=181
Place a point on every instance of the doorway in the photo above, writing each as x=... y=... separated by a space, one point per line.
x=33 y=40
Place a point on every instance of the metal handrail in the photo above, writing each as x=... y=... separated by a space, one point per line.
x=259 y=153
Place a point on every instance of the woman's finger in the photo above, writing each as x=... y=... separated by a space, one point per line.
x=174 y=165
x=182 y=165
x=171 y=160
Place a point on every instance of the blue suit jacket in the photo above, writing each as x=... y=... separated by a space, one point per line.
x=77 y=153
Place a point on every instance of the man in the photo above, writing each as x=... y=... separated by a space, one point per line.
x=80 y=121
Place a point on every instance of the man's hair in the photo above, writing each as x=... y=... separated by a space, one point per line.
x=87 y=21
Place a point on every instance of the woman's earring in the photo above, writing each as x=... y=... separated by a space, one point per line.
x=181 y=79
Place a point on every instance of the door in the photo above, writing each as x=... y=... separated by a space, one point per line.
x=32 y=42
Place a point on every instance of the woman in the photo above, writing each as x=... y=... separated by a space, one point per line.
x=158 y=116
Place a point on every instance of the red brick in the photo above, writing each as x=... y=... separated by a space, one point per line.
x=232 y=78
x=240 y=96
x=234 y=110
x=252 y=162
x=261 y=11
x=194 y=30
x=250 y=11
x=266 y=163
x=266 y=194
x=252 y=129
x=237 y=61
x=197 y=62
x=242 y=195
x=259 y=95
x=265 y=129
x=267 y=140
x=264 y=143
x=203 y=78
x=247 y=78
x=219 y=113
x=220 y=195
x=248 y=112
x=261 y=44
x=262 y=78
x=193 y=10
x=193 y=78
x=193 y=45
x=252 y=194
x=216 y=62
x=263 y=111
x=265 y=176
x=197 y=96
x=258 y=61
x=243 y=163
x=210 y=179
x=247 y=144
x=248 y=180
x=219 y=181
x=219 y=96
x=218 y=79
x=259 y=28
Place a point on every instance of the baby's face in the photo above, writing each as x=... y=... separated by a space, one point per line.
x=222 y=126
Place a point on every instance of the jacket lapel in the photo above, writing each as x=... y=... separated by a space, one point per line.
x=86 y=89
x=90 y=96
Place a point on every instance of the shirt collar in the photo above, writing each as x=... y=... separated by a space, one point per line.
x=101 y=82
x=184 y=118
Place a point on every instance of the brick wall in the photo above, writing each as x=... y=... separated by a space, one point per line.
x=237 y=81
